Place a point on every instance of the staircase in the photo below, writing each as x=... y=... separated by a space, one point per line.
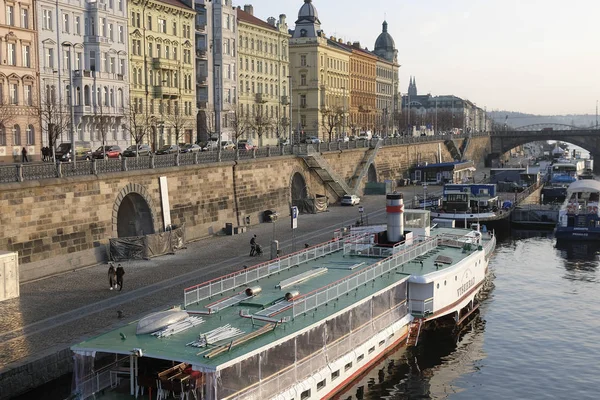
x=363 y=167
x=464 y=147
x=319 y=165
x=413 y=332
x=454 y=151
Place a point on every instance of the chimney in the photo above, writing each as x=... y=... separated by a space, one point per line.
x=249 y=9
x=395 y=217
x=271 y=21
x=356 y=45
x=282 y=18
x=340 y=40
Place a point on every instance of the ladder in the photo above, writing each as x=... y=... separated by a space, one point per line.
x=413 y=332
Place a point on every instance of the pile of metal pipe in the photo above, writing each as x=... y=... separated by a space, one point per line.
x=178 y=327
x=216 y=335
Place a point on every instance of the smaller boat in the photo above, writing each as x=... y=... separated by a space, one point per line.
x=158 y=320
x=578 y=218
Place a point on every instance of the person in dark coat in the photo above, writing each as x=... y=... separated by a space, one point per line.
x=112 y=277
x=24 y=155
x=253 y=246
x=120 y=273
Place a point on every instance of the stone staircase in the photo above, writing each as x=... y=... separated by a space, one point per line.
x=464 y=147
x=454 y=151
x=319 y=165
x=363 y=166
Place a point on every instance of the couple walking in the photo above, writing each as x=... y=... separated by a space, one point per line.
x=115 y=277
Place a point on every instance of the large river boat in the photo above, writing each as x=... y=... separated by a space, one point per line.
x=578 y=218
x=302 y=326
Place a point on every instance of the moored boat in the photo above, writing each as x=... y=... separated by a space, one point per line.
x=299 y=326
x=579 y=217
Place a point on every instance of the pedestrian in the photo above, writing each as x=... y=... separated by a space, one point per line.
x=484 y=176
x=112 y=276
x=24 y=155
x=253 y=246
x=120 y=273
x=306 y=245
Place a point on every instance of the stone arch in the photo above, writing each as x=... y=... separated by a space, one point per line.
x=372 y=174
x=133 y=212
x=298 y=186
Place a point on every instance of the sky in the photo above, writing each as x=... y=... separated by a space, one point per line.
x=532 y=56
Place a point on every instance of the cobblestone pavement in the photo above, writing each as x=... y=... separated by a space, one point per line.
x=56 y=312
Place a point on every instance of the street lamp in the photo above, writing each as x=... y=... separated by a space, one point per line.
x=291 y=135
x=72 y=105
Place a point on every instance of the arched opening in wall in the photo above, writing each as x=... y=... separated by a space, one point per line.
x=134 y=217
x=299 y=189
x=372 y=174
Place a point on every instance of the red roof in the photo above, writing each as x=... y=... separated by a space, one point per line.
x=251 y=19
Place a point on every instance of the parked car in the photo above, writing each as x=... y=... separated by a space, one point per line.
x=245 y=145
x=168 y=149
x=284 y=142
x=140 y=149
x=63 y=153
x=312 y=140
x=227 y=145
x=190 y=148
x=350 y=200
x=210 y=144
x=343 y=139
x=108 y=151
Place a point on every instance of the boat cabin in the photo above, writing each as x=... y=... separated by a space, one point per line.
x=473 y=198
x=449 y=172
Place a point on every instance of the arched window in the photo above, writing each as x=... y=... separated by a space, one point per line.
x=77 y=96
x=2 y=135
x=135 y=79
x=68 y=91
x=16 y=135
x=112 y=98
x=119 y=97
x=30 y=134
x=86 y=95
x=106 y=101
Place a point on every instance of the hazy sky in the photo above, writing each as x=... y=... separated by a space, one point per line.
x=536 y=56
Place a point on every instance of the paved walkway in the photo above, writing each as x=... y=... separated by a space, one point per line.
x=56 y=312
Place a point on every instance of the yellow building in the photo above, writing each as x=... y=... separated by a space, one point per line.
x=263 y=108
x=363 y=77
x=19 y=124
x=162 y=91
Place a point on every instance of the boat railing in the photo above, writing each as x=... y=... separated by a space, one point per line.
x=108 y=376
x=326 y=294
x=205 y=290
x=311 y=365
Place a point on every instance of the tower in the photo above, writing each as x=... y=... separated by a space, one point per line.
x=308 y=23
x=412 y=87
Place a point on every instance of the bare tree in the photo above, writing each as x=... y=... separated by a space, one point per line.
x=331 y=118
x=136 y=125
x=260 y=123
x=240 y=124
x=178 y=122
x=54 y=116
x=102 y=122
x=207 y=123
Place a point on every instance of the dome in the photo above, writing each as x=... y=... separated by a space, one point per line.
x=384 y=41
x=308 y=13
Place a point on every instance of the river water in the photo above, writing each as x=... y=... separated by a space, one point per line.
x=535 y=337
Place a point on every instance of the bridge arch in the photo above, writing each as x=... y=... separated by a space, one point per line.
x=133 y=212
x=372 y=174
x=551 y=126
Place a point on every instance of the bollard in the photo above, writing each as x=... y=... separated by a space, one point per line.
x=274 y=249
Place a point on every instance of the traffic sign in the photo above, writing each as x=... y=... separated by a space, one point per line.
x=294 y=216
x=361 y=209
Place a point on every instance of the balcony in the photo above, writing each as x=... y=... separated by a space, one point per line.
x=95 y=39
x=202 y=80
x=285 y=100
x=163 y=63
x=261 y=98
x=201 y=53
x=201 y=26
x=202 y=105
x=165 y=92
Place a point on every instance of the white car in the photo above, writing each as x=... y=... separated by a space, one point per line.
x=350 y=200
x=343 y=139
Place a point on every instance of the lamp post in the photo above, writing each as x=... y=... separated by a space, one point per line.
x=291 y=135
x=72 y=102
x=218 y=88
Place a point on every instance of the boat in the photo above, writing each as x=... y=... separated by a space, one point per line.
x=561 y=174
x=472 y=203
x=578 y=218
x=301 y=326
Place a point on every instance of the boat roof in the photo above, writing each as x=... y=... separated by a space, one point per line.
x=323 y=272
x=584 y=185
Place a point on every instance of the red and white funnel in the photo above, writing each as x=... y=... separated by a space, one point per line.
x=395 y=217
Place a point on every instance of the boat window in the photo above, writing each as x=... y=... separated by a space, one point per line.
x=438 y=285
x=347 y=366
x=372 y=349
x=381 y=343
x=444 y=283
x=360 y=358
x=335 y=375
x=321 y=384
x=305 y=395
x=456 y=278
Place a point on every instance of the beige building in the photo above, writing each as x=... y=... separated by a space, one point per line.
x=19 y=123
x=388 y=107
x=162 y=70
x=263 y=110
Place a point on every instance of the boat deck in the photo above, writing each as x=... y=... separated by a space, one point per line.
x=314 y=275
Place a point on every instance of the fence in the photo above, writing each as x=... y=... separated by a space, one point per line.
x=216 y=286
x=99 y=380
x=37 y=171
x=322 y=296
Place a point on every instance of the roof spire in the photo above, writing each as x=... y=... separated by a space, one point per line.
x=385 y=26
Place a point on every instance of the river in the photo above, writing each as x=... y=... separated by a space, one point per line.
x=535 y=337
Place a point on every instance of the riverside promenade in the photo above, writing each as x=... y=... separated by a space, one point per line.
x=38 y=328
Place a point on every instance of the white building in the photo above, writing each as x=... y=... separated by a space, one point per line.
x=87 y=38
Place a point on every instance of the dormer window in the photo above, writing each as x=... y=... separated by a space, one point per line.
x=302 y=32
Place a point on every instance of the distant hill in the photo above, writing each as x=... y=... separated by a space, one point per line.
x=517 y=119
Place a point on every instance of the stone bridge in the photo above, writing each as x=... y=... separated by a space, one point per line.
x=59 y=224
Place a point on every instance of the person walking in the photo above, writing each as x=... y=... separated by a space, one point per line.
x=112 y=276
x=24 y=155
x=120 y=273
x=253 y=246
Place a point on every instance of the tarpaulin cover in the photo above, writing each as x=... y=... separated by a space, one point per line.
x=312 y=205
x=145 y=247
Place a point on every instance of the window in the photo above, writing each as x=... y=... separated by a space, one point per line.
x=2 y=135
x=65 y=26
x=303 y=80
x=158 y=50
x=303 y=60
x=16 y=135
x=305 y=395
x=30 y=134
x=372 y=349
x=303 y=100
x=49 y=58
x=174 y=28
x=347 y=366
x=162 y=25
x=111 y=35
x=92 y=60
x=121 y=34
x=360 y=358
x=77 y=25
x=122 y=67
x=149 y=22
x=12 y=54
x=381 y=343
x=321 y=385
x=24 y=18
x=47 y=19
x=78 y=61
x=335 y=375
x=27 y=96
x=10 y=15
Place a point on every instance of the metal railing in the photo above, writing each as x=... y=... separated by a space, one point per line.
x=322 y=296
x=36 y=171
x=197 y=293
x=99 y=380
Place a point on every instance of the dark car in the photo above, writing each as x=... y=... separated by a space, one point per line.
x=108 y=151
x=190 y=148
x=245 y=145
x=140 y=149
x=168 y=149
x=63 y=153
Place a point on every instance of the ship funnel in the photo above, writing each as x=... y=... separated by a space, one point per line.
x=395 y=217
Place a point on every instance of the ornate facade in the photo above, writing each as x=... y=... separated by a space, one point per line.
x=163 y=87
x=263 y=111
x=83 y=42
x=19 y=124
